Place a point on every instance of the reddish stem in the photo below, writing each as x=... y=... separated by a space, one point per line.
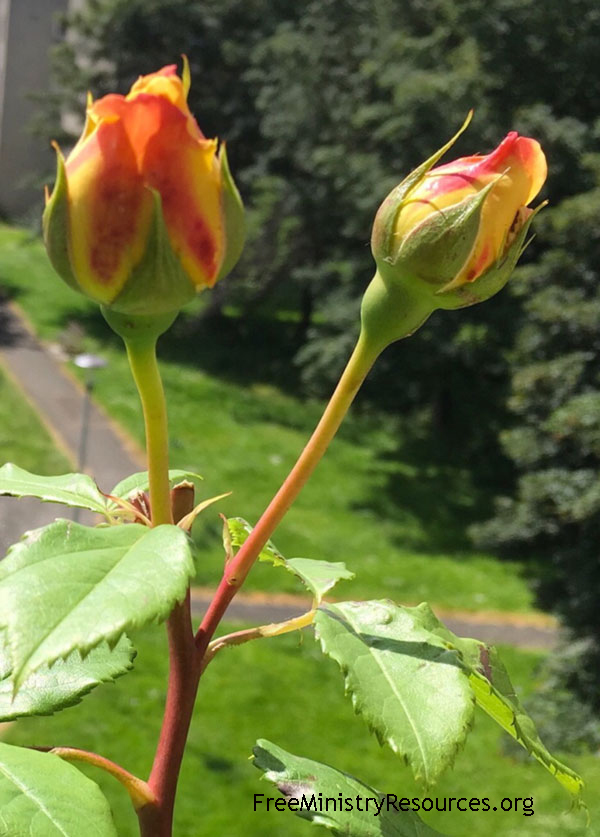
x=184 y=674
x=238 y=568
x=186 y=653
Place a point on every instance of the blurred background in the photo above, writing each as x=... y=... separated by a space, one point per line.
x=468 y=472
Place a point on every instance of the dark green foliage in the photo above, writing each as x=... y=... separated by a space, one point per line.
x=556 y=442
x=565 y=722
x=326 y=105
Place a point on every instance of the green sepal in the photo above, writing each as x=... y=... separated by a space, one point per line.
x=138 y=328
x=382 y=239
x=233 y=216
x=493 y=280
x=438 y=248
x=55 y=225
x=158 y=284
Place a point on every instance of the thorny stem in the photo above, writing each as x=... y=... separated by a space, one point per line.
x=184 y=673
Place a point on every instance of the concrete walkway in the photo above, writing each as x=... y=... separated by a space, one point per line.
x=58 y=398
x=533 y=631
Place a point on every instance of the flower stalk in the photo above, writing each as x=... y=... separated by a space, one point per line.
x=184 y=670
x=361 y=361
x=141 y=354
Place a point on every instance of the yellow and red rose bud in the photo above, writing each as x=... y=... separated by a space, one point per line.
x=449 y=236
x=144 y=211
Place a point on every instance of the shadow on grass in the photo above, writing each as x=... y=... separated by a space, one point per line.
x=419 y=475
x=242 y=350
x=425 y=477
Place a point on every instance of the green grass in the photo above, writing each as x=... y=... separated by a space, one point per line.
x=396 y=521
x=283 y=690
x=23 y=438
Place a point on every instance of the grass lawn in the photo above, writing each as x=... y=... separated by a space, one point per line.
x=23 y=438
x=293 y=697
x=397 y=522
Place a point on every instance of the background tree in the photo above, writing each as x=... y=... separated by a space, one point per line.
x=555 y=512
x=326 y=105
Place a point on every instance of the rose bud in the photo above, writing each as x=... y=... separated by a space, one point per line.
x=144 y=211
x=450 y=236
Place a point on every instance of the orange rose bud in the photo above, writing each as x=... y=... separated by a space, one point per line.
x=450 y=236
x=144 y=211
x=456 y=231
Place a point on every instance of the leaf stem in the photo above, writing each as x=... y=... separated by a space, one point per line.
x=138 y=790
x=361 y=361
x=241 y=637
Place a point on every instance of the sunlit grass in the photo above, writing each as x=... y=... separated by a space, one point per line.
x=23 y=438
x=283 y=690
x=399 y=524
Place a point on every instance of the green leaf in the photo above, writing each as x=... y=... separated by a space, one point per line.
x=43 y=796
x=303 y=780
x=140 y=482
x=318 y=576
x=239 y=529
x=410 y=687
x=69 y=489
x=49 y=690
x=496 y=695
x=67 y=587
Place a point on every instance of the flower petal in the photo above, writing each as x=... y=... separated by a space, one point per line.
x=109 y=210
x=167 y=85
x=186 y=173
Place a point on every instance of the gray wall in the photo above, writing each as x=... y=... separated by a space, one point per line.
x=27 y=29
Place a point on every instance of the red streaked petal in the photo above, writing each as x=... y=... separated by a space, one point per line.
x=533 y=159
x=186 y=173
x=167 y=84
x=109 y=211
x=500 y=158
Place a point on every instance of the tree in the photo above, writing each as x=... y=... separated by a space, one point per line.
x=555 y=444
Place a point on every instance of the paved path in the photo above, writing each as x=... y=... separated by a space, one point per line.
x=58 y=398
x=534 y=631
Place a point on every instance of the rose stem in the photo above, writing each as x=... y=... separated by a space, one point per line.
x=184 y=664
x=361 y=361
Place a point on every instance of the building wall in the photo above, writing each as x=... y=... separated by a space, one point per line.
x=27 y=29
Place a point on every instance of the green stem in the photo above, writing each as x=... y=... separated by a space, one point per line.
x=361 y=361
x=387 y=314
x=156 y=820
x=144 y=367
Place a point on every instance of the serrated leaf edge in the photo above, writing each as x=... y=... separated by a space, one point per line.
x=77 y=697
x=428 y=781
x=18 y=677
